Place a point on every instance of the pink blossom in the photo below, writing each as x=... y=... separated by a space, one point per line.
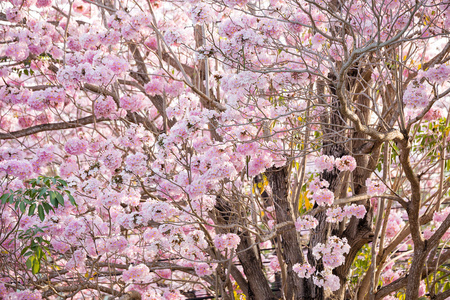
x=226 y=241
x=345 y=163
x=14 y=15
x=335 y=215
x=105 y=108
x=327 y=281
x=438 y=74
x=136 y=163
x=76 y=146
x=439 y=217
x=112 y=159
x=306 y=222
x=316 y=184
x=317 y=41
x=332 y=253
x=232 y=3
x=323 y=197
x=81 y=7
x=24 y=295
x=375 y=188
x=304 y=270
x=43 y=3
x=154 y=87
x=18 y=168
x=116 y=64
x=416 y=95
x=202 y=269
x=275 y=264
x=359 y=211
x=325 y=162
x=138 y=274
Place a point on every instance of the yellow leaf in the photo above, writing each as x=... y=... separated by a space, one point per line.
x=308 y=205
x=87 y=275
x=420 y=66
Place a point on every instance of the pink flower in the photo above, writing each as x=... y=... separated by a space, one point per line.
x=304 y=270
x=112 y=159
x=327 y=281
x=154 y=87
x=224 y=241
x=18 y=168
x=416 y=95
x=317 y=41
x=116 y=64
x=359 y=211
x=105 y=108
x=439 y=74
x=345 y=163
x=323 y=197
x=132 y=103
x=136 y=163
x=43 y=3
x=335 y=215
x=439 y=217
x=14 y=15
x=76 y=146
x=325 y=162
x=332 y=253
x=275 y=264
x=24 y=295
x=375 y=188
x=202 y=269
x=81 y=7
x=306 y=222
x=138 y=274
x=316 y=184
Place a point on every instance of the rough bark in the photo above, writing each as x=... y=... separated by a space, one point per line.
x=291 y=251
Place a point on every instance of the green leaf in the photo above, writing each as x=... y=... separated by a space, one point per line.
x=72 y=200
x=36 y=266
x=32 y=209
x=29 y=262
x=41 y=212
x=4 y=198
x=11 y=198
x=24 y=250
x=43 y=190
x=47 y=207
x=53 y=199
x=60 y=199
x=22 y=206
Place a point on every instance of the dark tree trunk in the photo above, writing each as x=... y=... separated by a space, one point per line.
x=290 y=247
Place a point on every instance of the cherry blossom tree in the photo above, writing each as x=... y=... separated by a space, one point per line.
x=235 y=149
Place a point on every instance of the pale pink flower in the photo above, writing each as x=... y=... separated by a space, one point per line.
x=304 y=270
x=76 y=146
x=323 y=197
x=325 y=162
x=202 y=269
x=345 y=163
x=105 y=107
x=375 y=188
x=138 y=274
x=327 y=281
x=306 y=222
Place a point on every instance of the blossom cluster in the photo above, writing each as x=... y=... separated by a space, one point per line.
x=338 y=214
x=345 y=163
x=306 y=222
x=304 y=270
x=332 y=253
x=226 y=241
x=375 y=188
